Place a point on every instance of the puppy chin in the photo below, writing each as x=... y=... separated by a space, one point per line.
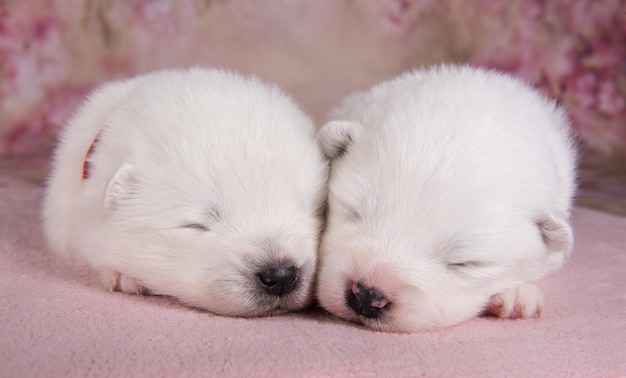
x=251 y=308
x=417 y=312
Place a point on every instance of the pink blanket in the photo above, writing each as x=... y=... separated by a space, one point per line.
x=56 y=320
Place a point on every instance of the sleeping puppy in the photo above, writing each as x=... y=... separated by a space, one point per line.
x=198 y=184
x=449 y=193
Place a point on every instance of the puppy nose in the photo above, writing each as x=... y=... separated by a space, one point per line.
x=365 y=301
x=279 y=280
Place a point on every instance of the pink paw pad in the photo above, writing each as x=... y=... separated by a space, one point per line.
x=524 y=301
x=125 y=284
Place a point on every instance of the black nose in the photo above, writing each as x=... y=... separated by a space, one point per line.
x=365 y=301
x=279 y=280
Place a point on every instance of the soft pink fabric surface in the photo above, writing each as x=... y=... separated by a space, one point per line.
x=56 y=320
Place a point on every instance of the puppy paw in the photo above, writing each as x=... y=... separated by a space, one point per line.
x=115 y=281
x=523 y=301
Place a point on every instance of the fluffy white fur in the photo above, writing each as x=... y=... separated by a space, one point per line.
x=199 y=180
x=449 y=193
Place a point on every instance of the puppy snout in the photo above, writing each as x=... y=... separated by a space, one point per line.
x=279 y=280
x=366 y=301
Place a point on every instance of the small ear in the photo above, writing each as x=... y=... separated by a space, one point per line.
x=336 y=136
x=556 y=233
x=118 y=187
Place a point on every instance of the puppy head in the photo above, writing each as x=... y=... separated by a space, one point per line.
x=405 y=249
x=219 y=202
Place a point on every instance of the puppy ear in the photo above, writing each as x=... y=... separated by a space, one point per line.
x=118 y=187
x=336 y=136
x=556 y=233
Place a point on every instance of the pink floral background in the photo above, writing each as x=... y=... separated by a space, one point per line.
x=52 y=52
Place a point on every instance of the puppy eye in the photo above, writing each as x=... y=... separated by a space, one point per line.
x=464 y=265
x=196 y=226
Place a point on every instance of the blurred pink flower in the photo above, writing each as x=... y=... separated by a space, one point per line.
x=574 y=51
x=609 y=100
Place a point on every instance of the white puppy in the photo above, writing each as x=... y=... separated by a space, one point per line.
x=450 y=191
x=198 y=184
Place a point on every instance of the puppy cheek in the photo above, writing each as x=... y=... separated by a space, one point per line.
x=330 y=286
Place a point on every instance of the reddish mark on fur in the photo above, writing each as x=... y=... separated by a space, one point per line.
x=89 y=153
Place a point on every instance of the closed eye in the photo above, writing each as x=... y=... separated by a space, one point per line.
x=196 y=226
x=465 y=265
